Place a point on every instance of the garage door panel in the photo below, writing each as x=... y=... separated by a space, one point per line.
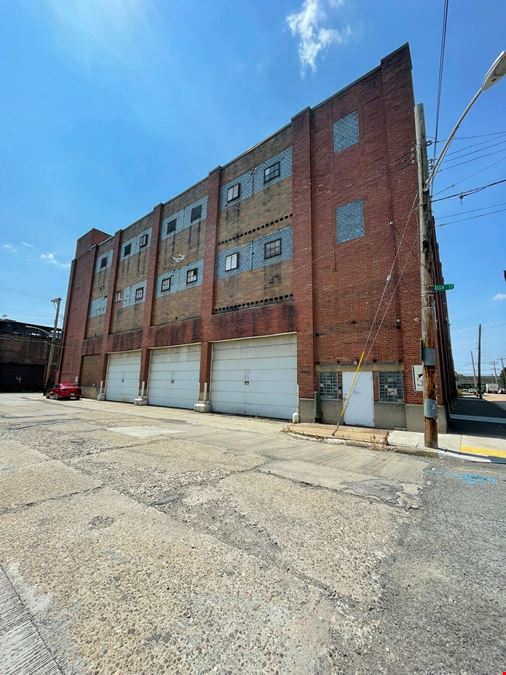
x=122 y=380
x=174 y=376
x=256 y=353
x=256 y=376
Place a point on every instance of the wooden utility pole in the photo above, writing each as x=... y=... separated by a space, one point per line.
x=427 y=288
x=474 y=371
x=479 y=361
x=49 y=368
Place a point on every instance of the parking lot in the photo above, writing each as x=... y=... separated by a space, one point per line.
x=151 y=540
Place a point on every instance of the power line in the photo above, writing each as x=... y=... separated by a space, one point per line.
x=461 y=220
x=482 y=208
x=467 y=193
x=465 y=138
x=479 y=145
x=471 y=175
x=441 y=65
x=473 y=159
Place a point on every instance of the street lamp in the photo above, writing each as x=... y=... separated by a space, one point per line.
x=494 y=74
x=425 y=179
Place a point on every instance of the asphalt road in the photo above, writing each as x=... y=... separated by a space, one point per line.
x=145 y=540
x=478 y=411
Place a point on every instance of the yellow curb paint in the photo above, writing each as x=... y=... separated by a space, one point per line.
x=470 y=450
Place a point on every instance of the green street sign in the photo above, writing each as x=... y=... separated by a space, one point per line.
x=444 y=287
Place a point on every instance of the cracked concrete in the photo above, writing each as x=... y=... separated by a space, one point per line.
x=222 y=547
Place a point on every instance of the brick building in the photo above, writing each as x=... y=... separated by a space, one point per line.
x=257 y=289
x=24 y=355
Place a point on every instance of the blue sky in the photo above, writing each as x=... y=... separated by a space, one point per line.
x=111 y=106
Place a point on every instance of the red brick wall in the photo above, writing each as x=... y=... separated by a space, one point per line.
x=336 y=287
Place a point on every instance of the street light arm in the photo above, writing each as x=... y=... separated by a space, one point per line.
x=450 y=138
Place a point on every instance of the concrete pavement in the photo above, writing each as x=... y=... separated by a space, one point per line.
x=148 y=540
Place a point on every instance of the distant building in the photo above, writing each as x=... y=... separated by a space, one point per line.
x=24 y=352
x=256 y=290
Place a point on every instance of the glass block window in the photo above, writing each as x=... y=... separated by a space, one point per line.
x=171 y=226
x=165 y=285
x=143 y=241
x=272 y=249
x=196 y=213
x=346 y=132
x=127 y=250
x=191 y=276
x=350 y=221
x=391 y=389
x=233 y=192
x=271 y=172
x=231 y=262
x=328 y=385
x=139 y=294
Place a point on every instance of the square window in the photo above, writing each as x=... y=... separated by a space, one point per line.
x=231 y=262
x=328 y=385
x=165 y=285
x=143 y=241
x=191 y=276
x=171 y=226
x=117 y=296
x=139 y=294
x=103 y=262
x=233 y=192
x=127 y=250
x=196 y=213
x=272 y=249
x=391 y=389
x=271 y=172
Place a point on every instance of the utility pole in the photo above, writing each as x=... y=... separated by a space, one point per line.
x=49 y=367
x=495 y=373
x=474 y=371
x=479 y=361
x=428 y=343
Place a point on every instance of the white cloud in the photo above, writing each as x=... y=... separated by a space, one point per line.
x=25 y=243
x=500 y=296
x=10 y=248
x=53 y=260
x=314 y=37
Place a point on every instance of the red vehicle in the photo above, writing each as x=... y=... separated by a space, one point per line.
x=64 y=390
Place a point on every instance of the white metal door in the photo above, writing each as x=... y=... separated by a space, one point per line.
x=122 y=381
x=360 y=407
x=174 y=376
x=256 y=376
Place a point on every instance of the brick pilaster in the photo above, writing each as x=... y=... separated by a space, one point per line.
x=207 y=302
x=150 y=293
x=303 y=251
x=110 y=304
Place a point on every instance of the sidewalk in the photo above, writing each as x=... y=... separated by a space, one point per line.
x=475 y=448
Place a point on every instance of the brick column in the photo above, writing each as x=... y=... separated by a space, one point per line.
x=302 y=260
x=110 y=305
x=207 y=303
x=149 y=299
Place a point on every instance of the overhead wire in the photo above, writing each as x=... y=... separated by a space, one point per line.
x=481 y=215
x=467 y=193
x=473 y=159
x=441 y=68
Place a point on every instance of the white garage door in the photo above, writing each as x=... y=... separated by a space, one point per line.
x=174 y=376
x=122 y=382
x=257 y=376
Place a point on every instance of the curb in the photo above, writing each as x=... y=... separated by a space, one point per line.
x=431 y=453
